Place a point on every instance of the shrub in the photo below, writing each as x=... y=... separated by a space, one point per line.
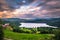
x=1 y=33
x=45 y=30
x=34 y=30
x=57 y=34
x=1 y=30
x=25 y=30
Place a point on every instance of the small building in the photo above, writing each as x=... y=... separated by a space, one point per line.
x=7 y=26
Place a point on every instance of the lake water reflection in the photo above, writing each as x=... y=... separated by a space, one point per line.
x=33 y=25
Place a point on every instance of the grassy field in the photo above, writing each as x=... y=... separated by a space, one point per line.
x=24 y=36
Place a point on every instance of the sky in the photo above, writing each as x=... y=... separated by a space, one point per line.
x=29 y=9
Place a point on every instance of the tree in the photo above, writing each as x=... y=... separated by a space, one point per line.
x=1 y=30
x=55 y=23
x=15 y=25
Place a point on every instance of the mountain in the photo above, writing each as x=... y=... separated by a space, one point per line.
x=49 y=21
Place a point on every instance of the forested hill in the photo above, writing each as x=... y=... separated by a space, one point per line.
x=49 y=21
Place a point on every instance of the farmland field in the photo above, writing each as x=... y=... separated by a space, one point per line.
x=25 y=36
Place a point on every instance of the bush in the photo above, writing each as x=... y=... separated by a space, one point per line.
x=25 y=30
x=57 y=34
x=1 y=30
x=16 y=30
x=22 y=30
x=45 y=30
x=1 y=33
x=34 y=30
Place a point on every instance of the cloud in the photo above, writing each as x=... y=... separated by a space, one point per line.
x=49 y=8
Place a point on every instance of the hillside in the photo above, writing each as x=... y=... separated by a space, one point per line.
x=24 y=36
x=51 y=21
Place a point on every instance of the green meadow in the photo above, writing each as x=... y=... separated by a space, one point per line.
x=25 y=36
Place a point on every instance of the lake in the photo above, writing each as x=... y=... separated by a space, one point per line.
x=34 y=25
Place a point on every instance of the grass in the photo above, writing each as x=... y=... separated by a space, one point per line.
x=24 y=36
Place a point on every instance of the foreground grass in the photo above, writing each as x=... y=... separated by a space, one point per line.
x=24 y=36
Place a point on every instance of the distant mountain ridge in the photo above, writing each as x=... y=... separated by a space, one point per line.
x=51 y=21
x=32 y=20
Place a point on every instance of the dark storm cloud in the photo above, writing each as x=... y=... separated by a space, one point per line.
x=52 y=4
x=2 y=5
x=50 y=8
x=12 y=4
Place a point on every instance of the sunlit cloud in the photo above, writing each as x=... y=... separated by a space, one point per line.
x=29 y=8
x=26 y=10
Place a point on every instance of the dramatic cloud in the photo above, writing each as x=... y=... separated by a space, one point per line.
x=30 y=8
